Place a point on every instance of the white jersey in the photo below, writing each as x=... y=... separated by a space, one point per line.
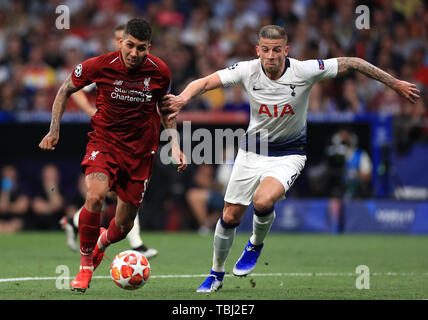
x=278 y=107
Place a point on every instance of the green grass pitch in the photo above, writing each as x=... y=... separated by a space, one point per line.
x=291 y=267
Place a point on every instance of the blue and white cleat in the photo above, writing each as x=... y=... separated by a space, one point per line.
x=212 y=283
x=248 y=260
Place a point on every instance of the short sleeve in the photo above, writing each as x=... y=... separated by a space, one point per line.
x=233 y=75
x=316 y=70
x=84 y=73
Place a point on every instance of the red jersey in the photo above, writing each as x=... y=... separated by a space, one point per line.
x=127 y=117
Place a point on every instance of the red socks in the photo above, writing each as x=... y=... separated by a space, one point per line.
x=89 y=231
x=112 y=235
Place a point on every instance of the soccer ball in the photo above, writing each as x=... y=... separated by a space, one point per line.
x=130 y=270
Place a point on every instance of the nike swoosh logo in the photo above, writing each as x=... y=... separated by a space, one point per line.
x=283 y=84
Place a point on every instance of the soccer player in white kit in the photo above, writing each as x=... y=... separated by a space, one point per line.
x=272 y=152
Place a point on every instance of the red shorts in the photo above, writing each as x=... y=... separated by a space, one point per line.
x=128 y=176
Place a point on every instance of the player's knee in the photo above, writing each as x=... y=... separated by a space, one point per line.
x=263 y=202
x=231 y=217
x=94 y=201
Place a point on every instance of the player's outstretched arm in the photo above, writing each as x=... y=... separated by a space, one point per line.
x=177 y=155
x=403 y=88
x=51 y=139
x=172 y=104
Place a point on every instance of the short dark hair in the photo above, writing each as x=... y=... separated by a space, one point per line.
x=120 y=27
x=138 y=28
x=273 y=32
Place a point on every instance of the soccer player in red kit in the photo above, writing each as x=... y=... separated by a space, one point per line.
x=125 y=137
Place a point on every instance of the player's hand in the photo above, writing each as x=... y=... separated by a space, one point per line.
x=172 y=105
x=179 y=158
x=49 y=142
x=91 y=111
x=407 y=90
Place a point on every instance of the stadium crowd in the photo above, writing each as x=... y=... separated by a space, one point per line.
x=195 y=38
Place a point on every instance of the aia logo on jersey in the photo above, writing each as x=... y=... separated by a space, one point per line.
x=277 y=111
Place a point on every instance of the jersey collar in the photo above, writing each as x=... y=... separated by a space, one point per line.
x=131 y=70
x=287 y=65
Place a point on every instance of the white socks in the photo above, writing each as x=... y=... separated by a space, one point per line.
x=223 y=240
x=134 y=235
x=76 y=218
x=261 y=227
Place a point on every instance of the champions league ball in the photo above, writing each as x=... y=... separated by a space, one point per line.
x=130 y=270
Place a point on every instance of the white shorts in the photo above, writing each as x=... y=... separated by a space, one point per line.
x=251 y=168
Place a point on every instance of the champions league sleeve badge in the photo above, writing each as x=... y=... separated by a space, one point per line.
x=78 y=70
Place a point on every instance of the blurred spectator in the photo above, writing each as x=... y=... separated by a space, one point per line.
x=42 y=101
x=78 y=198
x=7 y=98
x=344 y=30
x=52 y=56
x=196 y=32
x=14 y=202
x=168 y=16
x=386 y=102
x=47 y=204
x=37 y=74
x=411 y=126
x=420 y=66
x=284 y=16
x=205 y=199
x=236 y=100
x=346 y=171
x=201 y=36
x=349 y=101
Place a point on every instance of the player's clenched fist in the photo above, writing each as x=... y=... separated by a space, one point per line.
x=49 y=142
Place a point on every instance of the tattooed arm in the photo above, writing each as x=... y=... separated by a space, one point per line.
x=403 y=88
x=51 y=139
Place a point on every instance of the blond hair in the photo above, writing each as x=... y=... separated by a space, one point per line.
x=273 y=32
